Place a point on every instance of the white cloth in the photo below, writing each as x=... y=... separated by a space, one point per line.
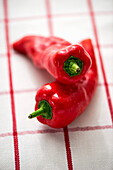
x=87 y=143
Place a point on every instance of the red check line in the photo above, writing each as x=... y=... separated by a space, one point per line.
x=26 y=90
x=66 y=136
x=32 y=132
x=90 y=128
x=82 y=14
x=49 y=17
x=57 y=15
x=34 y=90
x=74 y=129
x=100 y=57
x=4 y=92
x=68 y=149
x=6 y=134
x=40 y=131
x=15 y=136
x=95 y=46
x=18 y=91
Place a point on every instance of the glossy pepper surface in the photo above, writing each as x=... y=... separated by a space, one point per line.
x=65 y=62
x=57 y=105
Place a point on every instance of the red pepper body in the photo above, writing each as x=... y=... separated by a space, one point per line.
x=51 y=53
x=69 y=101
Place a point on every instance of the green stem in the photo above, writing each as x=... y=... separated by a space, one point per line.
x=37 y=113
x=73 y=66
x=44 y=110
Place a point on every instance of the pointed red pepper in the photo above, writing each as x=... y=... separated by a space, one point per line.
x=57 y=105
x=65 y=62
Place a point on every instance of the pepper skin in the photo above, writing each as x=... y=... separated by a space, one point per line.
x=68 y=101
x=65 y=62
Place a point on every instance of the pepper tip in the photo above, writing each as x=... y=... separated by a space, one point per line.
x=78 y=70
x=30 y=116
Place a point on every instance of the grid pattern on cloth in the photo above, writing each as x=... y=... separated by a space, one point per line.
x=87 y=142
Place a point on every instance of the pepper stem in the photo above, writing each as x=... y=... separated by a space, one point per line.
x=36 y=113
x=73 y=66
x=44 y=110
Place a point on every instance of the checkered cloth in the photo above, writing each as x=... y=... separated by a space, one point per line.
x=87 y=143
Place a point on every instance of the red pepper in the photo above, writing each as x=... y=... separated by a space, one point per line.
x=65 y=62
x=57 y=105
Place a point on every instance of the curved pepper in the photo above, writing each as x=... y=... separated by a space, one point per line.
x=65 y=62
x=57 y=105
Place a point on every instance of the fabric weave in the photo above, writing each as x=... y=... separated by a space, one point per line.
x=87 y=143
